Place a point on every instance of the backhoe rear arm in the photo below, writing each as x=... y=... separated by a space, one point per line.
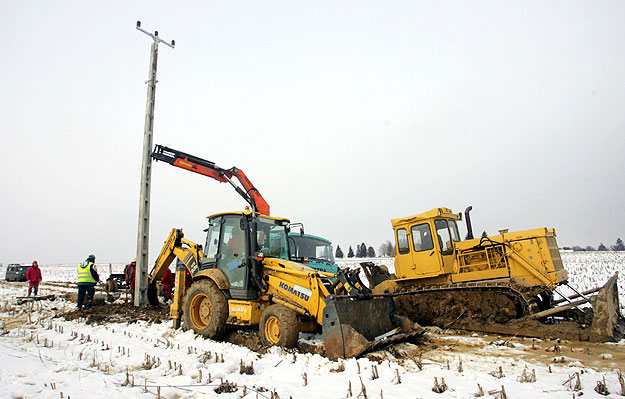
x=190 y=254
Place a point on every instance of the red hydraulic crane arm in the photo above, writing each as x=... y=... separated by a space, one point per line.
x=260 y=204
x=207 y=168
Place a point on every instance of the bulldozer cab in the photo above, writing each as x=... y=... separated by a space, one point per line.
x=426 y=244
x=234 y=240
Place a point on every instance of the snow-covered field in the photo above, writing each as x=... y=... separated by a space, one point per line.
x=43 y=356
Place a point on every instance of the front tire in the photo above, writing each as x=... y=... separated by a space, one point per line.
x=205 y=309
x=279 y=326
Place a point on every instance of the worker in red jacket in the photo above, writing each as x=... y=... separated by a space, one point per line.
x=33 y=275
x=168 y=283
x=129 y=275
x=187 y=279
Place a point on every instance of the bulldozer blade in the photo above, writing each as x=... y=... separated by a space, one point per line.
x=607 y=324
x=352 y=327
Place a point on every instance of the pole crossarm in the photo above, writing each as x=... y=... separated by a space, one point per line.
x=155 y=37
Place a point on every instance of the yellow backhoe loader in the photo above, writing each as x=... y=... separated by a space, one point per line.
x=505 y=284
x=243 y=277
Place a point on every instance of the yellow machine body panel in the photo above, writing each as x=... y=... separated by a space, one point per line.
x=244 y=313
x=216 y=275
x=530 y=257
x=429 y=251
x=296 y=286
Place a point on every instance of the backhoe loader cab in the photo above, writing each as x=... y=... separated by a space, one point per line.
x=234 y=244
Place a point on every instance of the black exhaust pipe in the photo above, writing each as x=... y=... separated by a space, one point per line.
x=468 y=220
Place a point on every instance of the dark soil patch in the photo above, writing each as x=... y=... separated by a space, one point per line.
x=252 y=341
x=305 y=347
x=249 y=339
x=120 y=313
x=442 y=308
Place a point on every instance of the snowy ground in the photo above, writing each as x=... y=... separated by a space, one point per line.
x=44 y=356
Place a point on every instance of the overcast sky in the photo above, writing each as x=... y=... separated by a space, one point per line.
x=343 y=114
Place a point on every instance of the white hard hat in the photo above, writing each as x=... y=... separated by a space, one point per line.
x=133 y=260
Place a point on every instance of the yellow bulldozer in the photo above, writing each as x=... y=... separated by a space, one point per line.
x=505 y=284
x=243 y=277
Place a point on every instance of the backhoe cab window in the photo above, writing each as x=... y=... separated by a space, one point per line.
x=212 y=240
x=444 y=236
x=271 y=238
x=402 y=242
x=422 y=237
x=232 y=259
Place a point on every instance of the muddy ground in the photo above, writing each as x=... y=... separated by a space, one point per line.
x=127 y=313
x=435 y=344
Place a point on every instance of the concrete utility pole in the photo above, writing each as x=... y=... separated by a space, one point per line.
x=143 y=234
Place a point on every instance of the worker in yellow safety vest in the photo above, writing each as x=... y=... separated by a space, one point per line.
x=87 y=279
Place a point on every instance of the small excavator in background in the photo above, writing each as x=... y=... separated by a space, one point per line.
x=243 y=276
x=504 y=284
x=315 y=252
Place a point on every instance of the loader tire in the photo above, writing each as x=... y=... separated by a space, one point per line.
x=111 y=286
x=279 y=326
x=205 y=309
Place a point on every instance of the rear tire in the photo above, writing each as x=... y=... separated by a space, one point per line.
x=152 y=295
x=279 y=326
x=205 y=309
x=111 y=286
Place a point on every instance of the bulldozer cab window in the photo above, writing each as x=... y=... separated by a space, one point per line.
x=422 y=237
x=454 y=231
x=232 y=251
x=444 y=236
x=402 y=242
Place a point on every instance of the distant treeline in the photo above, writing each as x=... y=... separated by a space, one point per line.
x=364 y=251
x=619 y=246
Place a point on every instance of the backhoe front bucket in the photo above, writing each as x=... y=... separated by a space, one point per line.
x=607 y=323
x=354 y=326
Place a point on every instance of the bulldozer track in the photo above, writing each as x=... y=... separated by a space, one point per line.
x=485 y=307
x=524 y=300
x=459 y=306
